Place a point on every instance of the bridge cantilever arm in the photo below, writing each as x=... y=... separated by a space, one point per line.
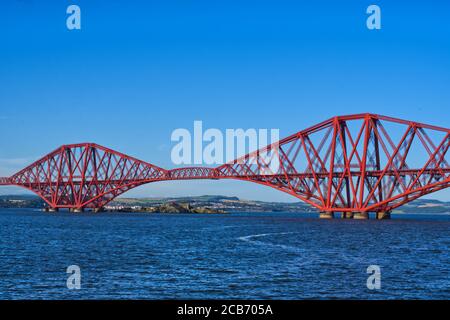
x=346 y=163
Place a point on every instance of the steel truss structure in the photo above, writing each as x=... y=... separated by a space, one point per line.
x=355 y=163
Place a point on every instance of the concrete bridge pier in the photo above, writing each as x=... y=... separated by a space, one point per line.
x=326 y=215
x=76 y=210
x=361 y=215
x=347 y=215
x=98 y=210
x=51 y=209
x=383 y=215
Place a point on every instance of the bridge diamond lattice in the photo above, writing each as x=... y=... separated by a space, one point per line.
x=355 y=163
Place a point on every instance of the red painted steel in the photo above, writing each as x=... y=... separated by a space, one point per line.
x=355 y=163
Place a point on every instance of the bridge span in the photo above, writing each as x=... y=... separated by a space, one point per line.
x=350 y=165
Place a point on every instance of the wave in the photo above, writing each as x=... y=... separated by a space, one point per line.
x=305 y=256
x=250 y=239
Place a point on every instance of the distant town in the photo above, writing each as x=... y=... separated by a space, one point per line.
x=213 y=204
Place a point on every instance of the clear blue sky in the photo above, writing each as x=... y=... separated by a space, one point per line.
x=140 y=69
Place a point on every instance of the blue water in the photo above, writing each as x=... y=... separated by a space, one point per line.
x=249 y=256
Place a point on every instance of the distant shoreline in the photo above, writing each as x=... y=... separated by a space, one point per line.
x=213 y=204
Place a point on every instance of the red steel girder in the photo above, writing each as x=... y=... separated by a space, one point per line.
x=354 y=163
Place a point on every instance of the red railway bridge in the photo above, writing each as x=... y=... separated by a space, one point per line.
x=350 y=165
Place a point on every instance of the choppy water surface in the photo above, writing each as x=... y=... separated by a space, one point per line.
x=250 y=256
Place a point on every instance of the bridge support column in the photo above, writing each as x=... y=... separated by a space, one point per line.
x=51 y=209
x=361 y=215
x=98 y=210
x=382 y=215
x=347 y=215
x=326 y=215
x=76 y=210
